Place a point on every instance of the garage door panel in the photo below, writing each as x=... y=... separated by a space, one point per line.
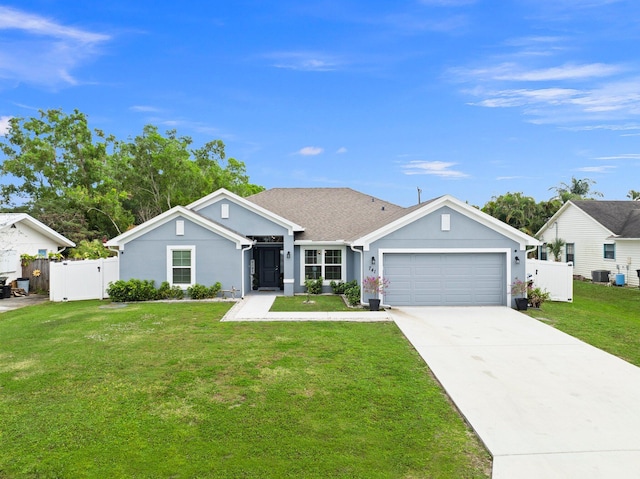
x=434 y=279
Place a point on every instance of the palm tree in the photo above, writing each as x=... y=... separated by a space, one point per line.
x=577 y=190
x=555 y=247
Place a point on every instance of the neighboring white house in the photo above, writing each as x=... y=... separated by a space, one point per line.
x=599 y=235
x=23 y=234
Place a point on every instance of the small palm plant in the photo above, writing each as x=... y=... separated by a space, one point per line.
x=555 y=247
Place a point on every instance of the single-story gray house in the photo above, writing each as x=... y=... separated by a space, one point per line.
x=440 y=252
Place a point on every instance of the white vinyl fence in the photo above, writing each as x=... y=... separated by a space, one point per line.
x=84 y=279
x=552 y=276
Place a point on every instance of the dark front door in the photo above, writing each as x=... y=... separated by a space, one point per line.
x=269 y=268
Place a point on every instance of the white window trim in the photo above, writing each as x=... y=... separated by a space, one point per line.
x=322 y=248
x=170 y=250
x=614 y=251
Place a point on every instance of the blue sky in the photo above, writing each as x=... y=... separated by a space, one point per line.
x=465 y=97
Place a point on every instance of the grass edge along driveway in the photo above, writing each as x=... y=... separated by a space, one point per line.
x=166 y=390
x=605 y=317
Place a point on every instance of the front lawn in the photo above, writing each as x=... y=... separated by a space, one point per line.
x=606 y=317
x=91 y=389
x=316 y=303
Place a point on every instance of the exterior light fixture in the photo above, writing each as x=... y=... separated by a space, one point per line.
x=373 y=260
x=288 y=254
x=517 y=260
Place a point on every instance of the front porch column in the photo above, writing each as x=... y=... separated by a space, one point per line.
x=288 y=273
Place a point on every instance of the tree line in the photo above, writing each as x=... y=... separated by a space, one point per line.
x=87 y=185
x=524 y=213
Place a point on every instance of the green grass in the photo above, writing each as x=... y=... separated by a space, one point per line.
x=166 y=390
x=318 y=303
x=606 y=317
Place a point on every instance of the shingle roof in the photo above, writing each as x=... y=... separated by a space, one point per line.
x=329 y=214
x=622 y=218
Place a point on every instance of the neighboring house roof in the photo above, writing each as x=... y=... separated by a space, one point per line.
x=621 y=218
x=329 y=214
x=175 y=212
x=8 y=219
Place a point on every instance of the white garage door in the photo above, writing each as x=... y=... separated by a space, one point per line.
x=445 y=279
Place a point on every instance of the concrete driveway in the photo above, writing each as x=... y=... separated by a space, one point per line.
x=545 y=404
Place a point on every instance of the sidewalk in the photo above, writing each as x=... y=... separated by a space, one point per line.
x=255 y=307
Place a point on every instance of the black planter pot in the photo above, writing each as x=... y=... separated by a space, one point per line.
x=374 y=305
x=522 y=304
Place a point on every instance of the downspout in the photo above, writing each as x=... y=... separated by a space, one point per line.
x=244 y=250
x=361 y=267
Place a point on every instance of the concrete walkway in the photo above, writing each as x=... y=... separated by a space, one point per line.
x=545 y=404
x=255 y=307
x=9 y=304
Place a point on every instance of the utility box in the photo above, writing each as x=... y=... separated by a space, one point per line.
x=600 y=276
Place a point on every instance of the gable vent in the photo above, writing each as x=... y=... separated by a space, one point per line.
x=445 y=222
x=224 y=210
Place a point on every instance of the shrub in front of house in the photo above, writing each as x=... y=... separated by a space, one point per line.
x=166 y=291
x=199 y=291
x=314 y=286
x=144 y=290
x=340 y=287
x=352 y=292
x=350 y=289
x=132 y=290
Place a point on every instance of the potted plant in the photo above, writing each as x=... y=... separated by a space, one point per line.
x=537 y=296
x=374 y=285
x=519 y=289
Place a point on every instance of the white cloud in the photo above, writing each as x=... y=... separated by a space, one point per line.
x=435 y=168
x=512 y=71
x=626 y=156
x=447 y=3
x=341 y=150
x=305 y=61
x=4 y=125
x=46 y=52
x=144 y=108
x=310 y=151
x=595 y=169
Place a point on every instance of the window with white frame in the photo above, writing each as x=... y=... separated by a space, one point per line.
x=570 y=251
x=326 y=263
x=181 y=265
x=609 y=251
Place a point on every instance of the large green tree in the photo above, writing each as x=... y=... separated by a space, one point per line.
x=56 y=168
x=87 y=184
x=520 y=211
x=578 y=189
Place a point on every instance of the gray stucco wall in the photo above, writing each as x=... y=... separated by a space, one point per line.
x=216 y=258
x=248 y=223
x=465 y=233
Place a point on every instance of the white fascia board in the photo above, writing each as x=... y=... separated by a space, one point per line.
x=320 y=243
x=223 y=193
x=46 y=231
x=456 y=205
x=553 y=219
x=176 y=211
